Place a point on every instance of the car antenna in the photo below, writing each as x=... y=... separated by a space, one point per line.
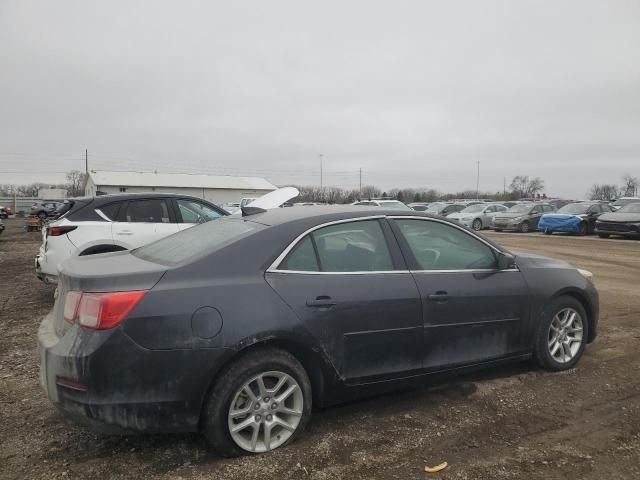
x=247 y=210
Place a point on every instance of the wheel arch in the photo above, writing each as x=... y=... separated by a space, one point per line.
x=311 y=360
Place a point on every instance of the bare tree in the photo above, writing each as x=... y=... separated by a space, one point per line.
x=629 y=186
x=525 y=187
x=75 y=183
x=603 y=192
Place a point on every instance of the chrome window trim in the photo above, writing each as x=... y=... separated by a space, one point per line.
x=273 y=268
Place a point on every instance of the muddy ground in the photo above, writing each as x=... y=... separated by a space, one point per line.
x=513 y=422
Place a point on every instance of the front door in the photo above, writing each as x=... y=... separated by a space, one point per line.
x=473 y=312
x=354 y=297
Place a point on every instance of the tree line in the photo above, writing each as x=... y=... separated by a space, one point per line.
x=74 y=185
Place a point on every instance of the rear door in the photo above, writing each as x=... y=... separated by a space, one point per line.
x=472 y=312
x=348 y=284
x=144 y=221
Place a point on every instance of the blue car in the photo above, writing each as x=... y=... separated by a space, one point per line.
x=579 y=218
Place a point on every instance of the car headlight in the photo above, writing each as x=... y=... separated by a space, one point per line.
x=588 y=276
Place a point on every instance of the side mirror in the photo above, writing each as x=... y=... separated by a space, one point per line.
x=506 y=261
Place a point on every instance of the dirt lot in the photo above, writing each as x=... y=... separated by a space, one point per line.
x=515 y=422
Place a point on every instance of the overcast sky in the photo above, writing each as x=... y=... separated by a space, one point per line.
x=414 y=93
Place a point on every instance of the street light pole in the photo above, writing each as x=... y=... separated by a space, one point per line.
x=478 y=181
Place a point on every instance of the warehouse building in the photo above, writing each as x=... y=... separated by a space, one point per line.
x=215 y=188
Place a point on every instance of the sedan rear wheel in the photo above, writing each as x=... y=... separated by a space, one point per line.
x=562 y=335
x=477 y=224
x=524 y=227
x=261 y=402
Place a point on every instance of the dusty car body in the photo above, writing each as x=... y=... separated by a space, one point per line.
x=235 y=327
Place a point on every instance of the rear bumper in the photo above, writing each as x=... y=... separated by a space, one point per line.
x=104 y=380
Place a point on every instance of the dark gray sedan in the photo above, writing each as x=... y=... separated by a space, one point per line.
x=235 y=327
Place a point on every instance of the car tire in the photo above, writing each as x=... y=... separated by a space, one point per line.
x=525 y=227
x=548 y=232
x=561 y=338
x=42 y=215
x=229 y=389
x=477 y=225
x=604 y=235
x=582 y=229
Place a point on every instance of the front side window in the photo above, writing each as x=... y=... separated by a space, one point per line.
x=148 y=211
x=438 y=246
x=196 y=212
x=345 y=247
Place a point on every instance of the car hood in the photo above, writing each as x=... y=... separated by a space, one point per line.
x=620 y=217
x=531 y=260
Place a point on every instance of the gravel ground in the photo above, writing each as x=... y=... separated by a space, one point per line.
x=512 y=422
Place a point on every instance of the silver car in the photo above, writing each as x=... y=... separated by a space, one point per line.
x=478 y=216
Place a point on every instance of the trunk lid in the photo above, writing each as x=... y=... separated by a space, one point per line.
x=106 y=272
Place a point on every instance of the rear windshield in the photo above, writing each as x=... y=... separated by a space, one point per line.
x=196 y=241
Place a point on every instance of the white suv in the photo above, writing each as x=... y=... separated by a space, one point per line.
x=117 y=222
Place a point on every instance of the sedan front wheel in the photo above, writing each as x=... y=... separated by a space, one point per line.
x=562 y=335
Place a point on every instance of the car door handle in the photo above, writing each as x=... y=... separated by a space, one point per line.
x=438 y=297
x=322 y=301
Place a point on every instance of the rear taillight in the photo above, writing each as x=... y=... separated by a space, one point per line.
x=57 y=231
x=102 y=310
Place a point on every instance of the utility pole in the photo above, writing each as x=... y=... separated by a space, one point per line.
x=478 y=181
x=360 y=194
x=504 y=187
x=86 y=161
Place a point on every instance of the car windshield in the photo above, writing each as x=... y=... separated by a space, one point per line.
x=631 y=208
x=575 y=208
x=474 y=209
x=624 y=201
x=196 y=241
x=436 y=207
x=520 y=209
x=394 y=204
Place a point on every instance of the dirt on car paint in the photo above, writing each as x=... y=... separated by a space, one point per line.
x=512 y=422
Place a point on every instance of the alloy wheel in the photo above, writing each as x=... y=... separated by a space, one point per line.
x=565 y=335
x=477 y=224
x=265 y=411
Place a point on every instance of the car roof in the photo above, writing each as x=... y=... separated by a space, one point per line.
x=328 y=213
x=131 y=196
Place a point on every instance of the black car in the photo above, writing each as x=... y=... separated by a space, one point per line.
x=624 y=222
x=235 y=327
x=44 y=209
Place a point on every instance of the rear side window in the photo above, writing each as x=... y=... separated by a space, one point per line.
x=196 y=212
x=147 y=211
x=111 y=210
x=196 y=241
x=302 y=258
x=346 y=247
